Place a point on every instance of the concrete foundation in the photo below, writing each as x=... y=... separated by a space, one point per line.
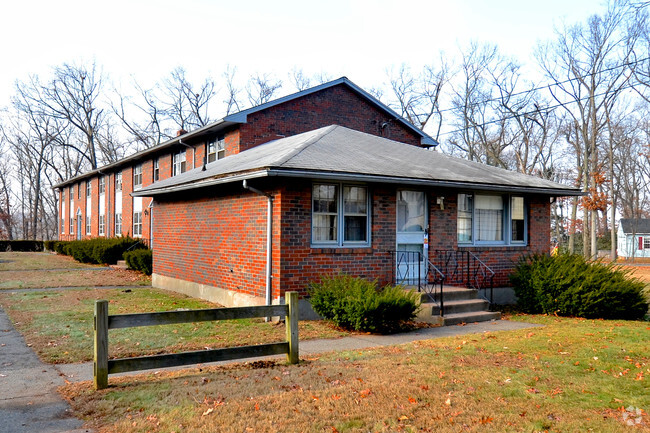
x=227 y=298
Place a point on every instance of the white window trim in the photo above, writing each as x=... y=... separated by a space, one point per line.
x=179 y=162
x=137 y=224
x=118 y=181
x=506 y=223
x=137 y=174
x=118 y=224
x=340 y=242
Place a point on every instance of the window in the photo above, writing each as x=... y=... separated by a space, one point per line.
x=71 y=194
x=216 y=149
x=340 y=219
x=137 y=176
x=71 y=225
x=137 y=223
x=102 y=185
x=179 y=162
x=79 y=192
x=491 y=219
x=88 y=188
x=156 y=170
x=118 y=224
x=102 y=220
x=118 y=181
x=62 y=195
x=87 y=224
x=62 y=225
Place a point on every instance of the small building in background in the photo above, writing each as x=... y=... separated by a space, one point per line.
x=634 y=238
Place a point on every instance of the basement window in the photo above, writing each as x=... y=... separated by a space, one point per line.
x=340 y=215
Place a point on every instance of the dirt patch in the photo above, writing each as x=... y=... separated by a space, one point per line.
x=17 y=261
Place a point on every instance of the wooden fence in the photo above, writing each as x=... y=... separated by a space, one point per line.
x=103 y=322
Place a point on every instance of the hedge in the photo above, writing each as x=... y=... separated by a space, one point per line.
x=139 y=260
x=569 y=285
x=357 y=304
x=21 y=245
x=98 y=250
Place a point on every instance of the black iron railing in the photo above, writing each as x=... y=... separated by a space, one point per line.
x=467 y=269
x=411 y=268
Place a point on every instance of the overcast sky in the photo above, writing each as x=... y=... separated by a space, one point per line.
x=359 y=39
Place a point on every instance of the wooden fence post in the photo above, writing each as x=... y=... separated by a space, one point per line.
x=292 y=327
x=100 y=364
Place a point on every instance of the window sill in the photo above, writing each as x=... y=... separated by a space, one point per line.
x=340 y=250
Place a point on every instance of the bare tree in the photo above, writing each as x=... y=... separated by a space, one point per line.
x=185 y=104
x=262 y=88
x=232 y=91
x=587 y=65
x=418 y=97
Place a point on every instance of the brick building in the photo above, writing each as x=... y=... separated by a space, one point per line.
x=341 y=183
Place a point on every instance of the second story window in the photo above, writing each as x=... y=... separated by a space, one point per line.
x=72 y=193
x=179 y=163
x=137 y=176
x=88 y=188
x=216 y=149
x=102 y=185
x=118 y=181
x=156 y=169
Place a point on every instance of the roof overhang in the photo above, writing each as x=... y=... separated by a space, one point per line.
x=355 y=177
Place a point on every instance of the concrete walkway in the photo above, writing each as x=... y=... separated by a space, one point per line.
x=28 y=398
x=29 y=401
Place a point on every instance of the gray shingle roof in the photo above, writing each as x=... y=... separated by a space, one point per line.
x=639 y=226
x=336 y=152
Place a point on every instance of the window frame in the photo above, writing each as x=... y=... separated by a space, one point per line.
x=506 y=221
x=341 y=214
x=137 y=176
x=101 y=223
x=118 y=224
x=118 y=181
x=179 y=166
x=137 y=224
x=89 y=188
x=88 y=225
x=646 y=242
x=156 y=170
x=71 y=223
x=101 y=185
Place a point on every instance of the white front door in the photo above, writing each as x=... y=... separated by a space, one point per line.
x=411 y=229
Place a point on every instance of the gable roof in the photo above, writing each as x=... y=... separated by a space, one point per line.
x=338 y=153
x=637 y=226
x=242 y=117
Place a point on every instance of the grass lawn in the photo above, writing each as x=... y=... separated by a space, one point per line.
x=19 y=270
x=572 y=375
x=59 y=324
x=22 y=261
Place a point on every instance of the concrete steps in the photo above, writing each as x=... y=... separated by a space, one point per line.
x=121 y=264
x=461 y=305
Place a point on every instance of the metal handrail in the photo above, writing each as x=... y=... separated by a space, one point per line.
x=466 y=268
x=426 y=283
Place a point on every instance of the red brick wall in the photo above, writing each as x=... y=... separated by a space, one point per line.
x=443 y=234
x=335 y=105
x=302 y=264
x=218 y=240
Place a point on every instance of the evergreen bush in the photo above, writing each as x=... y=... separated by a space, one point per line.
x=357 y=304
x=140 y=260
x=569 y=285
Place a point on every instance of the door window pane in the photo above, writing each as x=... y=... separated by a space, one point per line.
x=410 y=211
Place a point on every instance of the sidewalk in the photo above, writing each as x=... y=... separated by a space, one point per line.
x=29 y=401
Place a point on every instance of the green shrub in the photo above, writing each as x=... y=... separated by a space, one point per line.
x=357 y=304
x=139 y=260
x=569 y=285
x=49 y=245
x=98 y=250
x=21 y=245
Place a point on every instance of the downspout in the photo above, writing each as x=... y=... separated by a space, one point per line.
x=269 y=237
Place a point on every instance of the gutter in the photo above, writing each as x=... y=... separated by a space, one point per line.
x=352 y=177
